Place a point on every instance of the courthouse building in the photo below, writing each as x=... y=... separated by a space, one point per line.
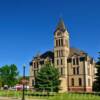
x=76 y=67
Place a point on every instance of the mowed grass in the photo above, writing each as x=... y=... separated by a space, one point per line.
x=59 y=96
x=7 y=93
x=69 y=96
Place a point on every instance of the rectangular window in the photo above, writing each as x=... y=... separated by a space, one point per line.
x=34 y=65
x=88 y=82
x=69 y=60
x=80 y=82
x=82 y=59
x=91 y=62
x=74 y=70
x=61 y=42
x=41 y=62
x=57 y=53
x=72 y=81
x=62 y=71
x=88 y=71
x=60 y=53
x=33 y=82
x=57 y=62
x=77 y=61
x=61 y=62
x=73 y=61
x=57 y=43
x=35 y=72
x=37 y=64
x=77 y=70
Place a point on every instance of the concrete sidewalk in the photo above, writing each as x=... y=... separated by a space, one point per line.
x=8 y=98
x=14 y=98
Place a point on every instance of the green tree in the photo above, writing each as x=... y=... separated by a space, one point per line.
x=96 y=85
x=13 y=74
x=8 y=75
x=47 y=78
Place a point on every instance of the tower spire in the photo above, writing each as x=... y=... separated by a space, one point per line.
x=61 y=53
x=61 y=25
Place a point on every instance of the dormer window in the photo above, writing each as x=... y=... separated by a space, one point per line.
x=75 y=61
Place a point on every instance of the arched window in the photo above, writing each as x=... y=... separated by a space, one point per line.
x=72 y=81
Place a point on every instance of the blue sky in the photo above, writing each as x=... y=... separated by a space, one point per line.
x=27 y=26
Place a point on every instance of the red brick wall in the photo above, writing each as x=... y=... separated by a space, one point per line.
x=80 y=89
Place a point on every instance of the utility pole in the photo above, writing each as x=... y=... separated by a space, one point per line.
x=23 y=82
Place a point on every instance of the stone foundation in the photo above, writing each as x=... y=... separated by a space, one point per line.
x=80 y=89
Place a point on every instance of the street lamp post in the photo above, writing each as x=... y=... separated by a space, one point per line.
x=23 y=82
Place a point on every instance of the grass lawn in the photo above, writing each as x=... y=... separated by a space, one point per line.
x=64 y=96
x=69 y=96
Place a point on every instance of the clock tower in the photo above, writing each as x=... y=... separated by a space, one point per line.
x=61 y=52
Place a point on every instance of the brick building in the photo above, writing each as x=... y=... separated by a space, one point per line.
x=76 y=67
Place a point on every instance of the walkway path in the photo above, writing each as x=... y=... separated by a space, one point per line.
x=12 y=98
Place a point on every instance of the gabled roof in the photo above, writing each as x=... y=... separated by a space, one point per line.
x=75 y=51
x=49 y=54
x=45 y=55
